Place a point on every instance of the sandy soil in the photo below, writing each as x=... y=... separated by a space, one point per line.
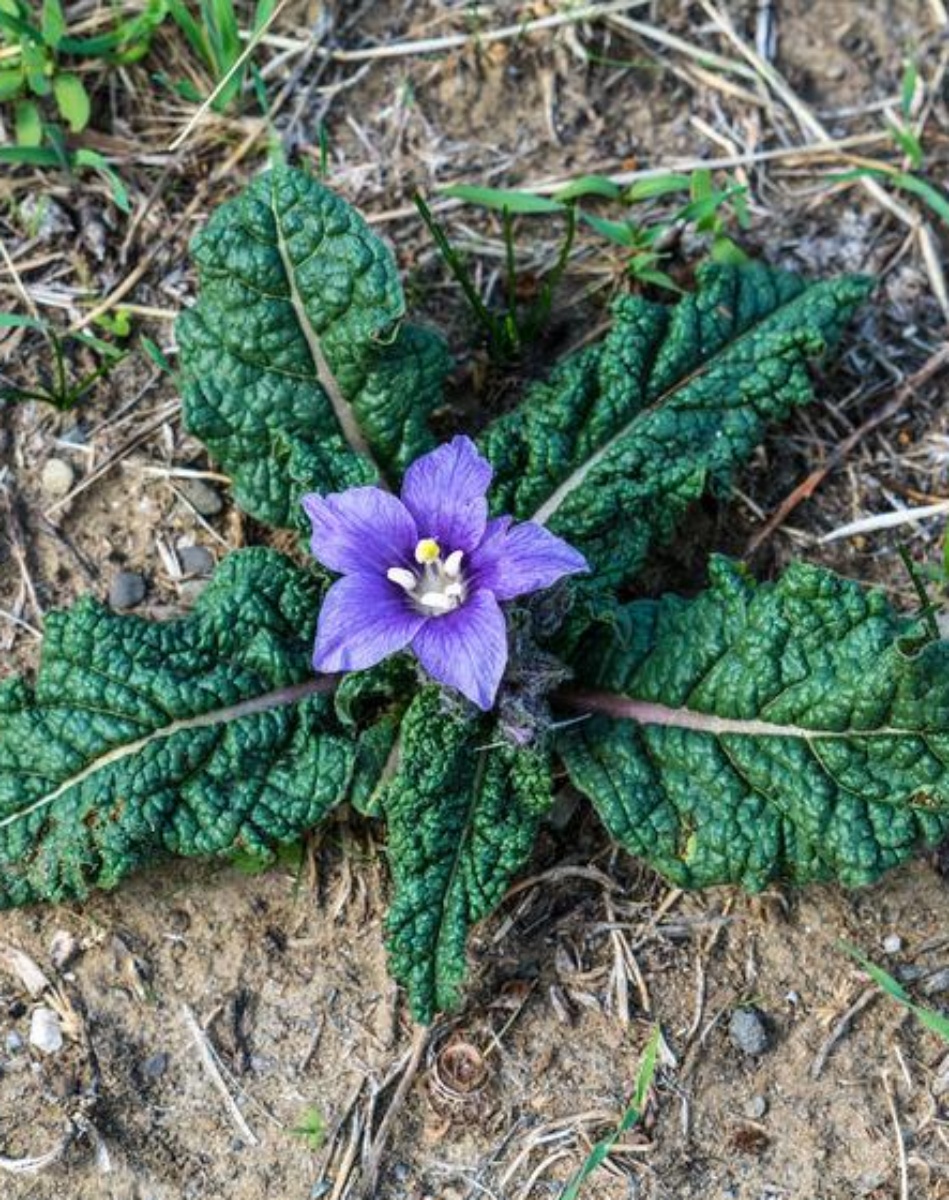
x=216 y=1013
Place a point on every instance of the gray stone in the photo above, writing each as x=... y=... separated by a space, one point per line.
x=13 y=1042
x=195 y=560
x=190 y=589
x=749 y=1031
x=46 y=1033
x=757 y=1107
x=936 y=983
x=201 y=496
x=57 y=478
x=126 y=590
x=46 y=220
x=156 y=1066
x=63 y=949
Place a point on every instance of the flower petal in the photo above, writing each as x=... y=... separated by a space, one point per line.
x=361 y=530
x=466 y=649
x=445 y=493
x=514 y=560
x=363 y=620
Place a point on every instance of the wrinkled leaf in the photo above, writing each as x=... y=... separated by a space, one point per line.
x=297 y=373
x=463 y=812
x=799 y=733
x=625 y=435
x=198 y=736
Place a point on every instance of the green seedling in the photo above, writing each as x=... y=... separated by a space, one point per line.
x=631 y=1118
x=706 y=208
x=509 y=333
x=35 y=49
x=933 y=1021
x=57 y=386
x=211 y=29
x=311 y=1129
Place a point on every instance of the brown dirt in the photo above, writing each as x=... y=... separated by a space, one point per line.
x=286 y=975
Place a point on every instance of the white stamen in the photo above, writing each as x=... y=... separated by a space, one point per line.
x=405 y=579
x=452 y=567
x=437 y=600
x=455 y=589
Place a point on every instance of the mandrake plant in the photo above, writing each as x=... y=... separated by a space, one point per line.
x=469 y=603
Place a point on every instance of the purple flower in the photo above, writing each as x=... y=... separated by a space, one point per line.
x=427 y=571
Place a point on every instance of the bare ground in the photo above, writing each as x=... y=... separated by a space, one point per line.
x=214 y=1012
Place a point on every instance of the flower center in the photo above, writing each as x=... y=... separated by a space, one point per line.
x=437 y=586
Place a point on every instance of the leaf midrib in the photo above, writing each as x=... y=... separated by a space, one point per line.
x=268 y=701
x=578 y=475
x=342 y=410
x=647 y=712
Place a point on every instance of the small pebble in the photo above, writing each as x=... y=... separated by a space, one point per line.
x=46 y=220
x=936 y=983
x=757 y=1107
x=46 y=1033
x=749 y=1032
x=195 y=560
x=202 y=496
x=190 y=589
x=126 y=590
x=57 y=478
x=13 y=1042
x=892 y=944
x=75 y=435
x=63 y=949
x=156 y=1066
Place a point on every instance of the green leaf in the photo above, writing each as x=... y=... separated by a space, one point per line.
x=589 y=185
x=53 y=23
x=198 y=736
x=934 y=1021
x=29 y=156
x=625 y=435
x=72 y=100
x=631 y=1117
x=502 y=199
x=620 y=233
x=97 y=162
x=462 y=810
x=783 y=731
x=11 y=84
x=297 y=372
x=654 y=186
x=28 y=125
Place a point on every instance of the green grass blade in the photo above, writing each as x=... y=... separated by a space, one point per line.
x=457 y=267
x=16 y=321
x=632 y=1116
x=657 y=185
x=501 y=198
x=29 y=156
x=617 y=232
x=193 y=34
x=589 y=185
x=933 y=1021
x=92 y=158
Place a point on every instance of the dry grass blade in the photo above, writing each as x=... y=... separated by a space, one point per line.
x=812 y=126
x=935 y=364
x=373 y=1160
x=457 y=41
x=225 y=79
x=209 y=1060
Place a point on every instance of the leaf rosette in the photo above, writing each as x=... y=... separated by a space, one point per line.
x=786 y=730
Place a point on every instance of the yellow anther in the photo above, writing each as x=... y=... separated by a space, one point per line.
x=427 y=551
